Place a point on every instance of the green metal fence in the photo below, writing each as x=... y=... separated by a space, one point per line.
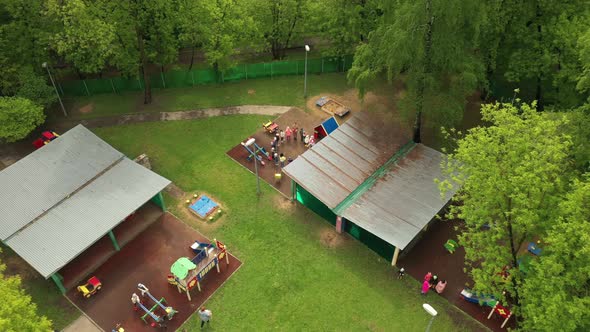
x=188 y=78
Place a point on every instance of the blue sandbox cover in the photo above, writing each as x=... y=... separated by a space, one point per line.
x=330 y=125
x=202 y=206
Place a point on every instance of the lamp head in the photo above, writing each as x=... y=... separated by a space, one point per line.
x=307 y=48
x=44 y=65
x=429 y=309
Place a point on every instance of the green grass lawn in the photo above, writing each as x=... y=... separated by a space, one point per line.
x=44 y=293
x=283 y=90
x=289 y=281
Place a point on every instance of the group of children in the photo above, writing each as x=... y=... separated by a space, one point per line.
x=282 y=136
x=431 y=282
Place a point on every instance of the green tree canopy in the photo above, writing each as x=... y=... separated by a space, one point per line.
x=556 y=294
x=512 y=174
x=84 y=39
x=279 y=21
x=18 y=117
x=17 y=311
x=431 y=43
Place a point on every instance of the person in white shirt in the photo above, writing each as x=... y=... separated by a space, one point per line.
x=205 y=315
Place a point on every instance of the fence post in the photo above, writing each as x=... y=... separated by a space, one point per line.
x=163 y=82
x=86 y=87
x=112 y=85
x=296 y=67
x=246 y=70
x=322 y=65
x=139 y=80
x=343 y=63
x=271 y=70
x=192 y=78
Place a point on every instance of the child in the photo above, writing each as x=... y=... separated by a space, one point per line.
x=282 y=159
x=288 y=133
x=401 y=273
x=425 y=287
x=295 y=131
x=302 y=134
x=440 y=287
x=306 y=140
x=282 y=135
x=433 y=281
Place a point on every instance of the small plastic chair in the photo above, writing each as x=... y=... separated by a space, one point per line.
x=451 y=246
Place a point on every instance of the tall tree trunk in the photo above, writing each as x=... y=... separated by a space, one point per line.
x=192 y=58
x=143 y=69
x=539 y=93
x=425 y=71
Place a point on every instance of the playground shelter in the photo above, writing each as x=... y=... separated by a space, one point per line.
x=369 y=179
x=62 y=198
x=325 y=128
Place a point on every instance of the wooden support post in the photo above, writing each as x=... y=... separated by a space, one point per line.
x=293 y=190
x=178 y=287
x=340 y=224
x=188 y=294
x=198 y=286
x=395 y=256
x=217 y=266
x=226 y=257
x=56 y=278
x=115 y=244
x=505 y=321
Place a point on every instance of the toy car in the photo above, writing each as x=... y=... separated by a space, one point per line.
x=270 y=127
x=90 y=288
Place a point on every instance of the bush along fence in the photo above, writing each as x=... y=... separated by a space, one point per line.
x=188 y=78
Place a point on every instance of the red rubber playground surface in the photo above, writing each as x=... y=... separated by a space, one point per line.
x=147 y=260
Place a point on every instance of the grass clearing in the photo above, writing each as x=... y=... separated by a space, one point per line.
x=282 y=90
x=289 y=280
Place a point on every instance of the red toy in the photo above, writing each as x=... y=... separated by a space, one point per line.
x=46 y=137
x=90 y=288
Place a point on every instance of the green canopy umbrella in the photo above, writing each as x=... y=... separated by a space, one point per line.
x=181 y=267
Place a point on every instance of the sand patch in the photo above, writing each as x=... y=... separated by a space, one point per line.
x=331 y=239
x=86 y=109
x=251 y=91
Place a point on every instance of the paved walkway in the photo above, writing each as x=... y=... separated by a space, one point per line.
x=116 y=120
x=12 y=152
x=82 y=324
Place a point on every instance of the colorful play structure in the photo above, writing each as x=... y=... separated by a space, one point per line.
x=249 y=145
x=203 y=206
x=90 y=288
x=325 y=128
x=46 y=137
x=502 y=311
x=478 y=298
x=270 y=127
x=187 y=273
x=158 y=312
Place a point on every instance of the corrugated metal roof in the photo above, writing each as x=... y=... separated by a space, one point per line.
x=72 y=226
x=37 y=182
x=333 y=168
x=404 y=200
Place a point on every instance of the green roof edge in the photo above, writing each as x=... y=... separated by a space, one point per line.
x=370 y=181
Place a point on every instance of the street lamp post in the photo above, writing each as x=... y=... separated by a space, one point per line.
x=429 y=309
x=55 y=88
x=305 y=79
x=249 y=143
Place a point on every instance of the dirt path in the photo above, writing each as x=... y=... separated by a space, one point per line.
x=116 y=120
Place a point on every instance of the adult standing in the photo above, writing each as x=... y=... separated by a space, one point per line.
x=302 y=134
x=205 y=316
x=295 y=131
